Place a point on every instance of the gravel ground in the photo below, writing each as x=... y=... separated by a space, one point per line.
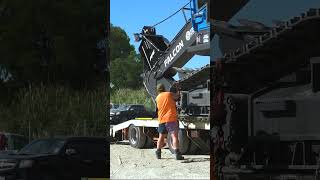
x=131 y=163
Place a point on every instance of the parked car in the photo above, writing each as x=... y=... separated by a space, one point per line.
x=114 y=106
x=58 y=158
x=127 y=112
x=10 y=143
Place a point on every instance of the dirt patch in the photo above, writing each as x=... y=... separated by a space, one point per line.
x=131 y=163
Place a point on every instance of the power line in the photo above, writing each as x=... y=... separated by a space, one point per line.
x=171 y=15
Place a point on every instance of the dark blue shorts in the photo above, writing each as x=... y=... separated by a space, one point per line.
x=164 y=128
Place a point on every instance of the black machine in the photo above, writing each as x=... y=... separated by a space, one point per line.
x=266 y=121
x=163 y=59
x=264 y=99
x=127 y=112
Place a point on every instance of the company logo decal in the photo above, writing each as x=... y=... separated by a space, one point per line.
x=173 y=53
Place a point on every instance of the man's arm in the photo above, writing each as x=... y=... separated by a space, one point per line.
x=176 y=95
x=155 y=115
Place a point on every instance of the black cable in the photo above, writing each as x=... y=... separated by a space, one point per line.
x=172 y=14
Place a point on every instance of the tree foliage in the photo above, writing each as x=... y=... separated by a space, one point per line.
x=53 y=67
x=44 y=41
x=120 y=46
x=126 y=66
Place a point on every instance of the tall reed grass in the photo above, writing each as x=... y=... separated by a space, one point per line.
x=131 y=96
x=56 y=111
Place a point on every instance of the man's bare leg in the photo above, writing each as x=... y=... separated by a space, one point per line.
x=175 y=145
x=160 y=144
x=175 y=140
x=160 y=141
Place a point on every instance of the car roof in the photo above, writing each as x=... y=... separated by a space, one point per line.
x=131 y=104
x=74 y=138
x=85 y=138
x=11 y=134
x=135 y=104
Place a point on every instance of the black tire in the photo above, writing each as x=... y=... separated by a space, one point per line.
x=199 y=148
x=149 y=143
x=48 y=177
x=137 y=138
x=184 y=142
x=118 y=136
x=194 y=149
x=208 y=143
x=205 y=148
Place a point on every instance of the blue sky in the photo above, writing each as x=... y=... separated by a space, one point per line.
x=134 y=14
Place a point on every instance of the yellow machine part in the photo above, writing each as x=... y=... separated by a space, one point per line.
x=145 y=118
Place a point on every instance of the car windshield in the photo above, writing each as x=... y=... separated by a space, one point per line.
x=115 y=106
x=46 y=146
x=138 y=107
x=123 y=107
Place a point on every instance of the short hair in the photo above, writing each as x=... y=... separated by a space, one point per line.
x=160 y=88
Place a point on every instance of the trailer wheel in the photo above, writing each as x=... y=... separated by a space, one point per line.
x=136 y=137
x=194 y=149
x=149 y=143
x=118 y=136
x=184 y=142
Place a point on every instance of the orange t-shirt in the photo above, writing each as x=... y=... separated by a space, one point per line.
x=167 y=110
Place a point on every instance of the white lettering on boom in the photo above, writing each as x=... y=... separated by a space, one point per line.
x=173 y=54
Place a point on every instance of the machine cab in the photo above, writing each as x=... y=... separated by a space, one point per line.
x=199 y=15
x=152 y=46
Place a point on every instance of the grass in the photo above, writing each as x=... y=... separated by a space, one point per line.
x=131 y=96
x=56 y=111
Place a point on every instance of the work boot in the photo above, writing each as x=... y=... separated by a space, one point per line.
x=178 y=155
x=158 y=153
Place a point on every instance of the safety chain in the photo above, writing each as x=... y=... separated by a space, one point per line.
x=218 y=115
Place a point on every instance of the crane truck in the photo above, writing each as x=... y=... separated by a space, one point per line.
x=263 y=109
x=162 y=61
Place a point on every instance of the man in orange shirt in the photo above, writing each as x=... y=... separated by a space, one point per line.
x=168 y=120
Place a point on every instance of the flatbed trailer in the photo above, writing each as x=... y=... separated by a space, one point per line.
x=142 y=133
x=162 y=60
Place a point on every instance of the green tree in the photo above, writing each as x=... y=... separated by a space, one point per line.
x=48 y=49
x=120 y=46
x=43 y=41
x=126 y=65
